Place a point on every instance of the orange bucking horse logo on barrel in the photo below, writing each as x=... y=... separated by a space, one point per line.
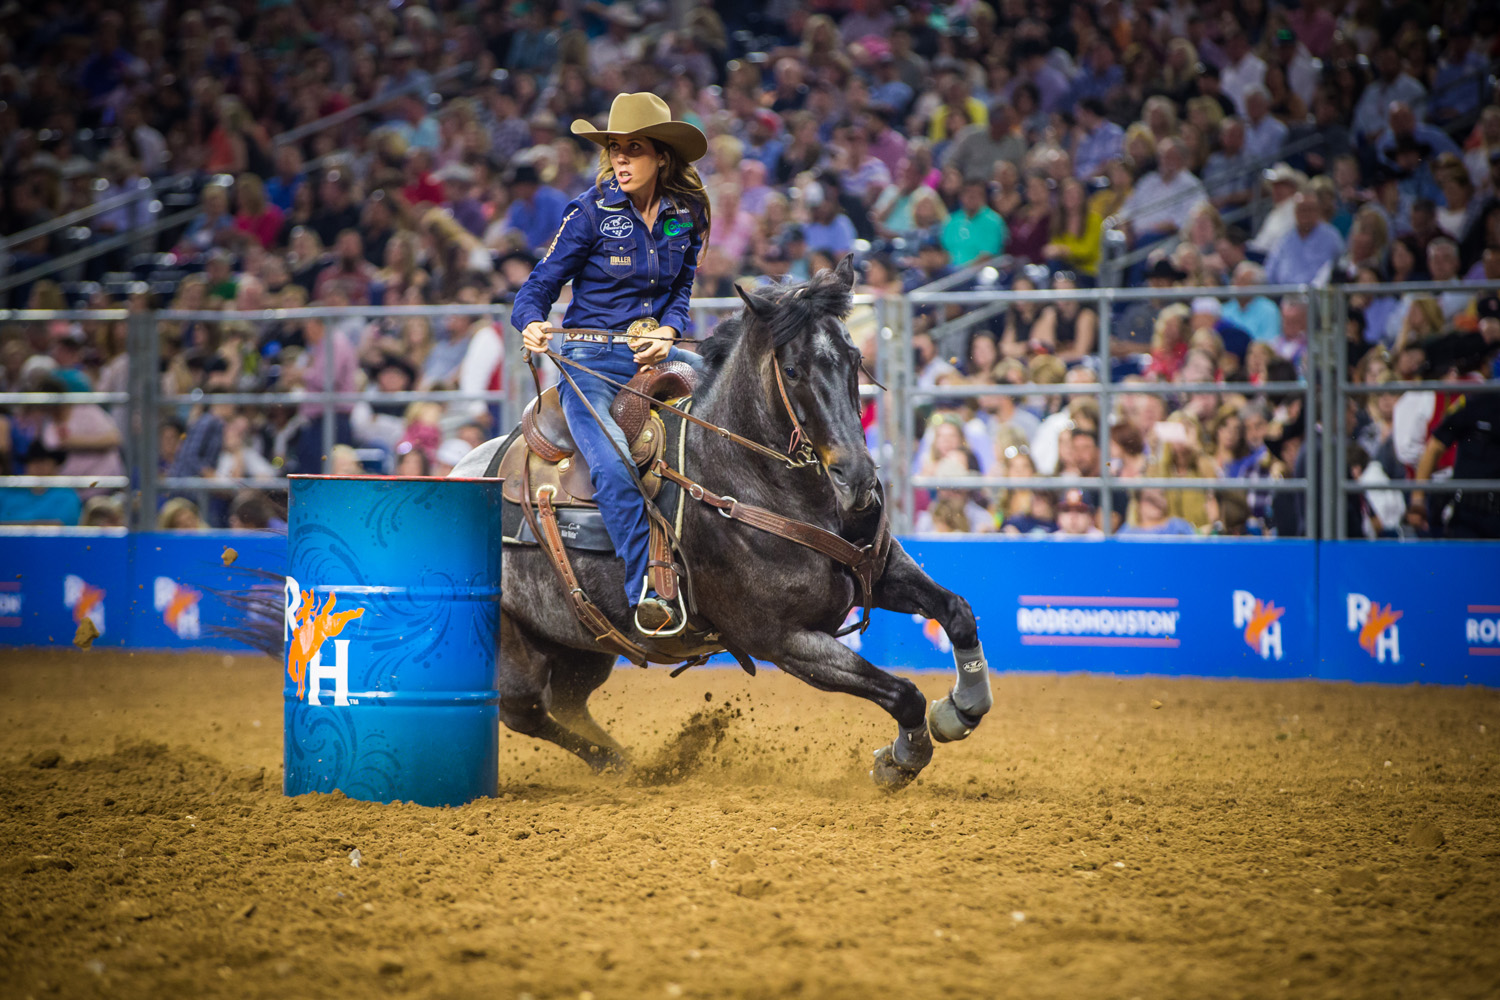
x=310 y=626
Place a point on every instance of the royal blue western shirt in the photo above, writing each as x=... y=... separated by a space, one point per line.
x=621 y=271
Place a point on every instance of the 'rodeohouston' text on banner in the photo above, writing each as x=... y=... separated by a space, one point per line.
x=1347 y=610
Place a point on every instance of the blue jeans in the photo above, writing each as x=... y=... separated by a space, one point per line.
x=620 y=503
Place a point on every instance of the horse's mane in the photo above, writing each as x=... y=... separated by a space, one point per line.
x=794 y=309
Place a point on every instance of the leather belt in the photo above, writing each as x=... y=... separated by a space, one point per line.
x=600 y=337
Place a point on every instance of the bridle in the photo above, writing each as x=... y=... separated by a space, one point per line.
x=798 y=445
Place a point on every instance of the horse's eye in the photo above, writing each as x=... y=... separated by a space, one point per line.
x=791 y=372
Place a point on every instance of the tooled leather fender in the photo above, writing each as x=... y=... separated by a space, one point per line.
x=668 y=380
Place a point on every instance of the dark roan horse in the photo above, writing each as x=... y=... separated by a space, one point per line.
x=768 y=597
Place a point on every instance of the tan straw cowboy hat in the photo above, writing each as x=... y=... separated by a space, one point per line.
x=647 y=115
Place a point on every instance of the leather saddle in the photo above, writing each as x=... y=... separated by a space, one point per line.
x=545 y=450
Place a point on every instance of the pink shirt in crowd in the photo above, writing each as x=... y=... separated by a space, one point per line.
x=85 y=421
x=314 y=364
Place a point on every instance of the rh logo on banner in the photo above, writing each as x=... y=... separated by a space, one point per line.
x=1261 y=621
x=1376 y=627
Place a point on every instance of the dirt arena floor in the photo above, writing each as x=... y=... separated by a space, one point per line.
x=1095 y=838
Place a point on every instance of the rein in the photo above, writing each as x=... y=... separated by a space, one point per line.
x=799 y=454
x=619 y=334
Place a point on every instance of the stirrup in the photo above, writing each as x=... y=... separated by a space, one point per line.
x=681 y=612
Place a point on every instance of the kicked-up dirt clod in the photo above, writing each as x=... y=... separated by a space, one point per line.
x=1096 y=837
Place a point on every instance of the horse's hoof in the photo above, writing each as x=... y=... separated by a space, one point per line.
x=949 y=723
x=889 y=775
x=607 y=762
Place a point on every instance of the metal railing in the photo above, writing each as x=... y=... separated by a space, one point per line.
x=145 y=187
x=1340 y=485
x=98 y=248
x=894 y=438
x=908 y=396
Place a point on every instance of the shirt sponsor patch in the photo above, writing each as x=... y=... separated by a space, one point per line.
x=617 y=226
x=676 y=227
x=620 y=261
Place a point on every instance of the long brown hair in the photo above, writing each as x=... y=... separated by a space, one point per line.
x=677 y=178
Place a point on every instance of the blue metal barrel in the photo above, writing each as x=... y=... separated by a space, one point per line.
x=392 y=622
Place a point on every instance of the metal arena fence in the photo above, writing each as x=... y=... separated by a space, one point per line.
x=1324 y=389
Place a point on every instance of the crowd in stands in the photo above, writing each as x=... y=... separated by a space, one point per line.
x=1022 y=145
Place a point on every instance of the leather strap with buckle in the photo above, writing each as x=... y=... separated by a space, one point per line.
x=865 y=562
x=543 y=523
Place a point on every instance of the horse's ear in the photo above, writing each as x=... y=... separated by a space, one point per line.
x=757 y=305
x=844 y=271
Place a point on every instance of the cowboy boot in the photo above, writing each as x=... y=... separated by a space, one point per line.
x=656 y=616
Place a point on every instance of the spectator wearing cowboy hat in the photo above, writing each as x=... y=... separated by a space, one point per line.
x=1285 y=184
x=1409 y=158
x=381 y=424
x=1137 y=326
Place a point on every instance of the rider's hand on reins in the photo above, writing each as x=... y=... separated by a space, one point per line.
x=536 y=338
x=654 y=350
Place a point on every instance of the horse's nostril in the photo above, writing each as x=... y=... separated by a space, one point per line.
x=839 y=474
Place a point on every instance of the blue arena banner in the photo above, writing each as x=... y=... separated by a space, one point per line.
x=54 y=578
x=1425 y=612
x=1385 y=612
x=1185 y=607
x=153 y=590
x=188 y=597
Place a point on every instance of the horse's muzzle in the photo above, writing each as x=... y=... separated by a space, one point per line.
x=855 y=492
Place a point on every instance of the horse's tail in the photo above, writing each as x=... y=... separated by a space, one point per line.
x=257 y=612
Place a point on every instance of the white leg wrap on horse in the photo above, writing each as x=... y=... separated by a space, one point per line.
x=898 y=764
x=913 y=748
x=972 y=694
x=954 y=717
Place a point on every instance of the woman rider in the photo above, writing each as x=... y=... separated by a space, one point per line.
x=630 y=246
